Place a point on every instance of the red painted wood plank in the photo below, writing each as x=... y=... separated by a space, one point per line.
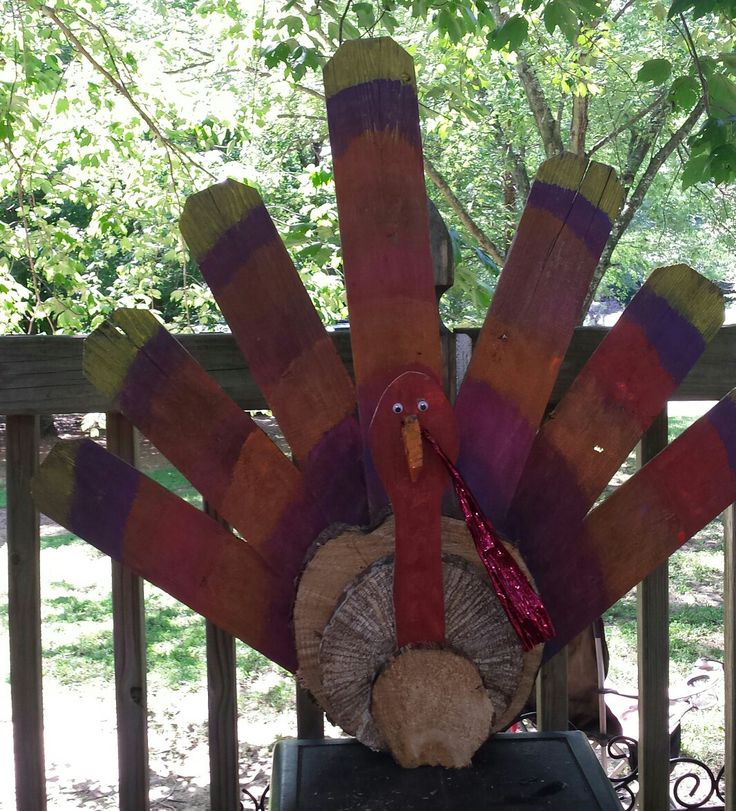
x=415 y=479
x=289 y=352
x=178 y=548
x=537 y=303
x=614 y=399
x=635 y=530
x=382 y=201
x=223 y=453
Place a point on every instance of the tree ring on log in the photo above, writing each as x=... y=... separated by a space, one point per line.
x=431 y=708
x=337 y=565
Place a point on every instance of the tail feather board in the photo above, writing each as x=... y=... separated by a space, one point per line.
x=172 y=544
x=162 y=390
x=647 y=519
x=565 y=225
x=613 y=400
x=384 y=228
x=258 y=289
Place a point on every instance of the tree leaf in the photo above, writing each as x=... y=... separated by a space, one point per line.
x=684 y=93
x=695 y=170
x=722 y=93
x=511 y=34
x=656 y=71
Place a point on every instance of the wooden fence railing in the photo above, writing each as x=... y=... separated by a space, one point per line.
x=43 y=375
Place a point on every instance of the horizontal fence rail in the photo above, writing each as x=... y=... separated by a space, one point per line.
x=42 y=375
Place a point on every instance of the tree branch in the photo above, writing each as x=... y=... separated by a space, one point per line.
x=470 y=225
x=578 y=124
x=627 y=124
x=636 y=198
x=118 y=85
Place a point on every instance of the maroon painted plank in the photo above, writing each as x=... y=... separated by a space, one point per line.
x=177 y=547
x=289 y=352
x=529 y=326
x=630 y=534
x=220 y=449
x=382 y=201
x=614 y=399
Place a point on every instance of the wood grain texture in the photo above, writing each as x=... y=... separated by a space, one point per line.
x=359 y=641
x=24 y=614
x=222 y=711
x=653 y=649
x=42 y=374
x=129 y=649
x=177 y=547
x=415 y=479
x=614 y=399
x=431 y=708
x=289 y=352
x=553 y=712
x=340 y=561
x=526 y=333
x=729 y=653
x=220 y=449
x=637 y=528
x=384 y=229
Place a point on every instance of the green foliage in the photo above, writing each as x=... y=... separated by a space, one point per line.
x=113 y=111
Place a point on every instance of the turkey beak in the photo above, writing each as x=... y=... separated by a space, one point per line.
x=411 y=434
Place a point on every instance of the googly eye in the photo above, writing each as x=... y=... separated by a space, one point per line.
x=397 y=408
x=422 y=405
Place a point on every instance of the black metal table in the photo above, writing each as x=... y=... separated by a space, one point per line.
x=553 y=770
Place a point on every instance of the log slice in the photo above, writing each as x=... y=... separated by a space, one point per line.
x=334 y=570
x=432 y=708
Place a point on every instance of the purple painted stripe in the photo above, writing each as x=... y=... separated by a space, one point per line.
x=588 y=222
x=677 y=341
x=102 y=525
x=494 y=447
x=334 y=473
x=142 y=384
x=149 y=377
x=378 y=105
x=723 y=418
x=236 y=246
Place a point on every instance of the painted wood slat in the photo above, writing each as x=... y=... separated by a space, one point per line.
x=222 y=715
x=42 y=374
x=24 y=614
x=129 y=647
x=290 y=354
x=647 y=519
x=652 y=609
x=534 y=310
x=373 y=119
x=172 y=544
x=616 y=396
x=729 y=631
x=310 y=720
x=219 y=448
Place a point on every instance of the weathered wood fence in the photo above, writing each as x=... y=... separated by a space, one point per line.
x=43 y=375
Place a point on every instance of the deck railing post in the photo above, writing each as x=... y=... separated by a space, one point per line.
x=24 y=613
x=729 y=650
x=222 y=716
x=552 y=697
x=654 y=648
x=129 y=641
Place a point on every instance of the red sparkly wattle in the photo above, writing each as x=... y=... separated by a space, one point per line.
x=522 y=604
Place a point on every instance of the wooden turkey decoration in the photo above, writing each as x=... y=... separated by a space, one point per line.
x=345 y=571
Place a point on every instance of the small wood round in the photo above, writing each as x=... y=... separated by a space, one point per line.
x=431 y=708
x=334 y=570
